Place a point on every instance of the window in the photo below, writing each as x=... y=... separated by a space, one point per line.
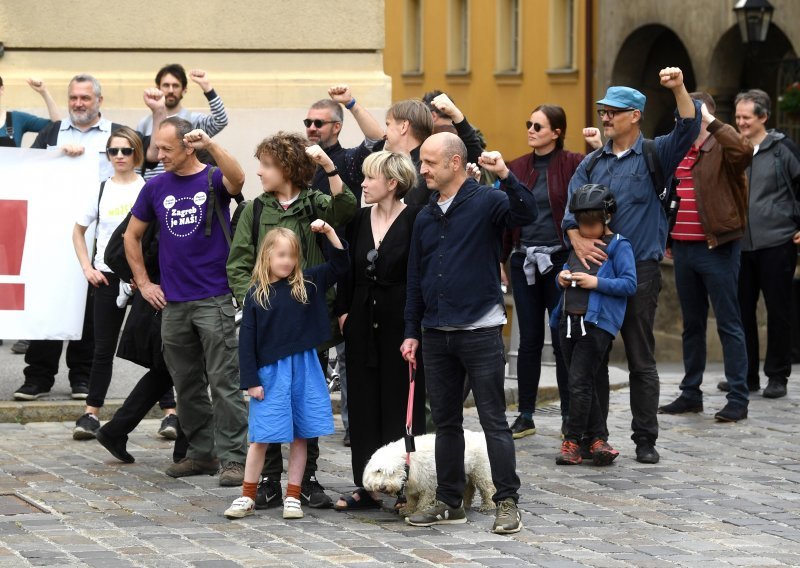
x=508 y=36
x=458 y=37
x=412 y=57
x=563 y=22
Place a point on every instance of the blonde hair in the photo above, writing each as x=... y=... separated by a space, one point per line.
x=392 y=166
x=261 y=271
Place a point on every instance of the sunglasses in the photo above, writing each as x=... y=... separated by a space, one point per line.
x=118 y=151
x=317 y=122
x=536 y=126
x=371 y=270
x=601 y=112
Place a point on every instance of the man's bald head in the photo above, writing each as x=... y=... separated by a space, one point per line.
x=448 y=145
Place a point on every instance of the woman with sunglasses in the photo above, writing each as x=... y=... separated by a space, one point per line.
x=538 y=247
x=372 y=304
x=108 y=208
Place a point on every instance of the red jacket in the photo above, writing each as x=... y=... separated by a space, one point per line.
x=562 y=165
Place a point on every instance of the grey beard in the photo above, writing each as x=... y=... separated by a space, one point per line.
x=85 y=118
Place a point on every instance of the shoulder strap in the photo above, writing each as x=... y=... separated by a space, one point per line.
x=258 y=208
x=97 y=223
x=654 y=166
x=213 y=208
x=593 y=158
x=9 y=124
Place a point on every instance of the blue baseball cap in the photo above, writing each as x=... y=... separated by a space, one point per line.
x=624 y=97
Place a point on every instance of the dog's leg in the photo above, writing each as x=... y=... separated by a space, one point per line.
x=487 y=491
x=411 y=505
x=469 y=492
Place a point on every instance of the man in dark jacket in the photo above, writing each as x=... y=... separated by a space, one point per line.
x=769 y=246
x=705 y=246
x=455 y=305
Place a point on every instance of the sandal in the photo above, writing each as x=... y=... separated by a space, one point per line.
x=364 y=501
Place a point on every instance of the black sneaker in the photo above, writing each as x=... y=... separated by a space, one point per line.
x=20 y=347
x=731 y=413
x=776 y=388
x=86 y=427
x=30 y=392
x=313 y=494
x=681 y=405
x=268 y=494
x=439 y=514
x=523 y=427
x=80 y=391
x=646 y=451
x=169 y=427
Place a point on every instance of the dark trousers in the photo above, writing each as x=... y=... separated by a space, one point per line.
x=531 y=301
x=43 y=356
x=450 y=358
x=584 y=357
x=154 y=385
x=640 y=345
x=768 y=271
x=701 y=274
x=108 y=320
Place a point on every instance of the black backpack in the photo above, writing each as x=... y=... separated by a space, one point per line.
x=668 y=196
x=310 y=209
x=8 y=139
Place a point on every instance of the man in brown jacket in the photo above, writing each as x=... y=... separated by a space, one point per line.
x=705 y=248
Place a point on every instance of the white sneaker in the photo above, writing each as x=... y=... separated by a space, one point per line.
x=292 y=508
x=241 y=507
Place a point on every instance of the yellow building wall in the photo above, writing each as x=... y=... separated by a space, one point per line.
x=497 y=105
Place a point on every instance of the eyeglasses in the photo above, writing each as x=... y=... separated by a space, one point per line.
x=317 y=122
x=601 y=112
x=118 y=151
x=536 y=126
x=372 y=270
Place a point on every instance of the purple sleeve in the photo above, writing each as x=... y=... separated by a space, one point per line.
x=143 y=208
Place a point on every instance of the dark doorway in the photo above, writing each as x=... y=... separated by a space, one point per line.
x=643 y=54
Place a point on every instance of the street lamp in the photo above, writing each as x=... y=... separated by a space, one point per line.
x=754 y=17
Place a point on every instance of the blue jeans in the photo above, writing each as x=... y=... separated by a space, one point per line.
x=701 y=274
x=450 y=357
x=530 y=303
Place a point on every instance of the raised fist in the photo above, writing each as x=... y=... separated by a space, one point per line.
x=201 y=78
x=671 y=77
x=341 y=94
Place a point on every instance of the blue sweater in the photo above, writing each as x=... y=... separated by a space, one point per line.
x=287 y=327
x=616 y=280
x=454 y=258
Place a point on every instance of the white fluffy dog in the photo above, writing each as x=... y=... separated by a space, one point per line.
x=385 y=472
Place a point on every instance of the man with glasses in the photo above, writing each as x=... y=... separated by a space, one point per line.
x=84 y=131
x=621 y=165
x=323 y=124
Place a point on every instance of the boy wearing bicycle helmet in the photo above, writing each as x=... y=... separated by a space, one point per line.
x=588 y=318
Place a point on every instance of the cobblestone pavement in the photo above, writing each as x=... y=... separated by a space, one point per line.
x=723 y=495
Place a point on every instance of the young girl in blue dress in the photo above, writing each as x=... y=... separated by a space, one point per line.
x=285 y=318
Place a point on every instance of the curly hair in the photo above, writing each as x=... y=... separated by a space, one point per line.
x=288 y=151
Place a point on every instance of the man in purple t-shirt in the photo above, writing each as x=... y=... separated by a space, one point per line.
x=197 y=328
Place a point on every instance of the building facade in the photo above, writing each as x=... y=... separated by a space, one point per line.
x=268 y=59
x=497 y=59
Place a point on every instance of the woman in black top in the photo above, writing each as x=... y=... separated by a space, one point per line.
x=372 y=304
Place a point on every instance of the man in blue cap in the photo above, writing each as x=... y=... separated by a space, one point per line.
x=621 y=165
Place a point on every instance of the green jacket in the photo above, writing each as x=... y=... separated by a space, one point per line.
x=336 y=211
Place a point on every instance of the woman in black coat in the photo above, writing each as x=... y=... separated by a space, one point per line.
x=372 y=302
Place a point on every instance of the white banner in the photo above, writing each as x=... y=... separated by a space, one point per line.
x=42 y=287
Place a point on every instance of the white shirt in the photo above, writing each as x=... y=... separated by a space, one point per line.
x=115 y=204
x=93 y=141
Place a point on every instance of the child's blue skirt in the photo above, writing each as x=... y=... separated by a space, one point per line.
x=296 y=401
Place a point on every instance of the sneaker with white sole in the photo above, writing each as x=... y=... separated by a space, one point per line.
x=292 y=508
x=439 y=514
x=240 y=508
x=169 y=427
x=507 y=519
x=86 y=427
